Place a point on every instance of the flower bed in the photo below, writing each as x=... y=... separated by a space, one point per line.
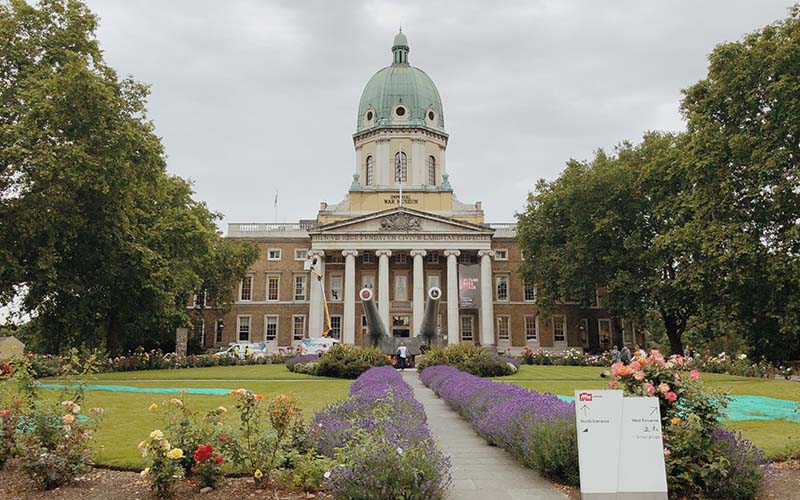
x=298 y=363
x=569 y=357
x=539 y=429
x=381 y=441
x=343 y=361
x=471 y=359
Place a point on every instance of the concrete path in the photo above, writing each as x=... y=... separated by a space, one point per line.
x=479 y=471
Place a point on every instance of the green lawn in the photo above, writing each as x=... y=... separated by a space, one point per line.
x=127 y=421
x=778 y=438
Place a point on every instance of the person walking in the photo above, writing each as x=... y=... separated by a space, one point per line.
x=402 y=356
x=625 y=355
x=614 y=354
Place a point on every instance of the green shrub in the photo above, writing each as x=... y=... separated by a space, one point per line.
x=553 y=451
x=469 y=358
x=343 y=361
x=307 y=472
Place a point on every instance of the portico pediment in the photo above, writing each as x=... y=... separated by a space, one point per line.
x=401 y=227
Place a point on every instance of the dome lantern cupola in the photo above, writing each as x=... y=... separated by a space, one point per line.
x=400 y=48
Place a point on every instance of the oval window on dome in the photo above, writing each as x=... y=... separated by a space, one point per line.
x=400 y=111
x=431 y=116
x=369 y=116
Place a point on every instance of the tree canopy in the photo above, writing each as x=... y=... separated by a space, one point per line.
x=698 y=227
x=105 y=247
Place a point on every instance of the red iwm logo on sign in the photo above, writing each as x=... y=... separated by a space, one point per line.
x=585 y=396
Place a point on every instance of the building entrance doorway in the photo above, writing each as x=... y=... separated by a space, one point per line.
x=401 y=326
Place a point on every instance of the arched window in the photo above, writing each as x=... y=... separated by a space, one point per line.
x=369 y=178
x=400 y=167
x=431 y=170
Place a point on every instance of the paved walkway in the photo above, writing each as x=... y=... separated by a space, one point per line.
x=479 y=471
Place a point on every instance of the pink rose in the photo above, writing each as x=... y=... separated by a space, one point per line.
x=613 y=384
x=694 y=374
x=663 y=387
x=671 y=397
x=649 y=388
x=639 y=375
x=615 y=368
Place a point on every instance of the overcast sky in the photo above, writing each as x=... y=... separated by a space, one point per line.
x=251 y=97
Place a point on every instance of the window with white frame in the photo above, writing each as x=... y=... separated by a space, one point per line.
x=336 y=327
x=501 y=286
x=298 y=327
x=503 y=328
x=431 y=171
x=529 y=291
x=531 y=328
x=243 y=327
x=274 y=254
x=400 y=167
x=300 y=253
x=467 y=327
x=334 y=259
x=201 y=299
x=559 y=328
x=432 y=257
x=501 y=254
x=246 y=288
x=335 y=289
x=300 y=285
x=401 y=258
x=434 y=280
x=220 y=326
x=368 y=257
x=199 y=330
x=270 y=328
x=273 y=287
x=368 y=281
x=400 y=287
x=370 y=171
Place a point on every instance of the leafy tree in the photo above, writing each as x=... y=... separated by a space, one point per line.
x=744 y=130
x=104 y=246
x=616 y=222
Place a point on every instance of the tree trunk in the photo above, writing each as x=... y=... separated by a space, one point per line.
x=112 y=336
x=674 y=333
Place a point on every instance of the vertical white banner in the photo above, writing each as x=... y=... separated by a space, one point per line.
x=597 y=416
x=642 y=474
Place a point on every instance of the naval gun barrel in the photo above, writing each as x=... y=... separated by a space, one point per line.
x=430 y=320
x=375 y=326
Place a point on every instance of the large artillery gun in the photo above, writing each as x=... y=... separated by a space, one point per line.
x=379 y=337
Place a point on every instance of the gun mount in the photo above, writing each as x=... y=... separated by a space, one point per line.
x=375 y=326
x=430 y=320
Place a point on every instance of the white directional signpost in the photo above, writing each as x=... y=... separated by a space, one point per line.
x=620 y=449
x=597 y=416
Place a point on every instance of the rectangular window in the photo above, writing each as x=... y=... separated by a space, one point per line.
x=274 y=254
x=300 y=281
x=559 y=328
x=433 y=257
x=270 y=328
x=368 y=281
x=466 y=258
x=531 y=328
x=604 y=332
x=628 y=332
x=273 y=287
x=433 y=281
x=220 y=327
x=337 y=258
x=199 y=330
x=530 y=292
x=336 y=288
x=401 y=258
x=243 y=327
x=368 y=257
x=336 y=327
x=246 y=288
x=300 y=253
x=503 y=332
x=401 y=287
x=584 y=331
x=501 y=254
x=201 y=299
x=364 y=328
x=466 y=327
x=298 y=327
x=501 y=284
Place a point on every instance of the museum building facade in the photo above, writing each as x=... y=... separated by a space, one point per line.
x=400 y=231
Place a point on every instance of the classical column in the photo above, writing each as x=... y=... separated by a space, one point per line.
x=487 y=298
x=453 y=326
x=419 y=290
x=349 y=319
x=383 y=285
x=315 y=308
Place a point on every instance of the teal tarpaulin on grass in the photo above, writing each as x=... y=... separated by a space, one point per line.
x=753 y=408
x=203 y=391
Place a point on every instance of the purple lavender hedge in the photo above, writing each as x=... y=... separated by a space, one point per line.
x=302 y=359
x=539 y=429
x=381 y=440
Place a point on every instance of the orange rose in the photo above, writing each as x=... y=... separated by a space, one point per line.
x=259 y=397
x=675 y=420
x=68 y=419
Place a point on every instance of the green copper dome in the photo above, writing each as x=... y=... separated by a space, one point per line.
x=400 y=95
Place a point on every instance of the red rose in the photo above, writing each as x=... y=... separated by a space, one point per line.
x=203 y=453
x=218 y=459
x=5 y=413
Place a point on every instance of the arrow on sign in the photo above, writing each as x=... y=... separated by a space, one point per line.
x=653 y=410
x=585 y=409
